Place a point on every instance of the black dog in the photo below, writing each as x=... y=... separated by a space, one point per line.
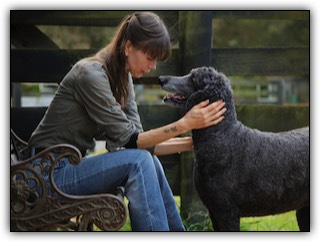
x=239 y=171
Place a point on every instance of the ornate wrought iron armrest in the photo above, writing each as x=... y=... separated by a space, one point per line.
x=35 y=196
x=42 y=164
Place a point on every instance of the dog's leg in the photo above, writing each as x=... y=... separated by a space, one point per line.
x=303 y=218
x=214 y=222
x=225 y=220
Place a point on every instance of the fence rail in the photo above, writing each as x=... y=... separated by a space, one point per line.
x=35 y=65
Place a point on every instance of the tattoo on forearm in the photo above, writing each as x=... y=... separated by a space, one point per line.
x=173 y=129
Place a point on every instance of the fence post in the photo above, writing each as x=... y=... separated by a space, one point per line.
x=195 y=37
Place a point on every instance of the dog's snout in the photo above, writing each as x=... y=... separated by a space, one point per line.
x=162 y=80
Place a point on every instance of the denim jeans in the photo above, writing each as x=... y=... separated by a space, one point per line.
x=151 y=203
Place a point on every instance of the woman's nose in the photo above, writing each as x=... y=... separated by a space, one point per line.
x=152 y=65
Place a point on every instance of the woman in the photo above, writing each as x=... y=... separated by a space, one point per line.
x=95 y=100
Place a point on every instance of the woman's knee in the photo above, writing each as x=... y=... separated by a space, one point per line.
x=157 y=164
x=144 y=157
x=141 y=159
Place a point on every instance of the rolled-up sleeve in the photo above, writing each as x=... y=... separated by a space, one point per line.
x=93 y=90
x=131 y=110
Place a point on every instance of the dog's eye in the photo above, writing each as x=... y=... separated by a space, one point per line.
x=192 y=77
x=196 y=79
x=192 y=80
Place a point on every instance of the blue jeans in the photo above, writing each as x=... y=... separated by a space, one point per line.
x=151 y=203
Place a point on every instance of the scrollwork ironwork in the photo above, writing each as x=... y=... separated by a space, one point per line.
x=38 y=204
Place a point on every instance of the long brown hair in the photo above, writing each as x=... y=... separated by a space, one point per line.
x=148 y=33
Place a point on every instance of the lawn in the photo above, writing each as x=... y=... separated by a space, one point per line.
x=282 y=222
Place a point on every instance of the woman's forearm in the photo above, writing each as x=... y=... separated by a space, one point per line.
x=200 y=116
x=156 y=136
x=174 y=145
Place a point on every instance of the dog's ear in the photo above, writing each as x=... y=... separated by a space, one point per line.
x=217 y=88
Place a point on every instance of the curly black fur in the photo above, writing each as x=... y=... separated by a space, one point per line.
x=240 y=171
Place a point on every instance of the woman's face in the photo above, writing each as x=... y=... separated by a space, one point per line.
x=139 y=63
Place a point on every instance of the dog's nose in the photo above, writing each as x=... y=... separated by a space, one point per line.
x=162 y=80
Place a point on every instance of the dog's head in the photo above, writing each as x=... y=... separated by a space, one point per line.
x=200 y=84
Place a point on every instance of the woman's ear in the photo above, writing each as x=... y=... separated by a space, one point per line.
x=127 y=47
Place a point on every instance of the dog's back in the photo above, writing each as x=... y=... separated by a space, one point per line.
x=257 y=167
x=256 y=173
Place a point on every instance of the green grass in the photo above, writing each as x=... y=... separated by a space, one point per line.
x=282 y=222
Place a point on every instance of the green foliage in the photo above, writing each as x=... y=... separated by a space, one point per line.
x=227 y=32
x=255 y=33
x=79 y=37
x=126 y=226
x=30 y=89
x=205 y=223
x=281 y=222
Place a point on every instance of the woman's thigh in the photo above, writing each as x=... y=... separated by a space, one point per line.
x=99 y=173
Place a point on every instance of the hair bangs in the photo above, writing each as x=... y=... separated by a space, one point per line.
x=158 y=48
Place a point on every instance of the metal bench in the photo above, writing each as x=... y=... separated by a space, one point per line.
x=39 y=205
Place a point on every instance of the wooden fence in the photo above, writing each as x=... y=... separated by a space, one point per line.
x=34 y=57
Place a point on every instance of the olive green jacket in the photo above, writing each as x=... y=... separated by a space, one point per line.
x=84 y=109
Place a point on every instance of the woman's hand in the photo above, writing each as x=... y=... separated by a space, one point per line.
x=200 y=116
x=203 y=115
